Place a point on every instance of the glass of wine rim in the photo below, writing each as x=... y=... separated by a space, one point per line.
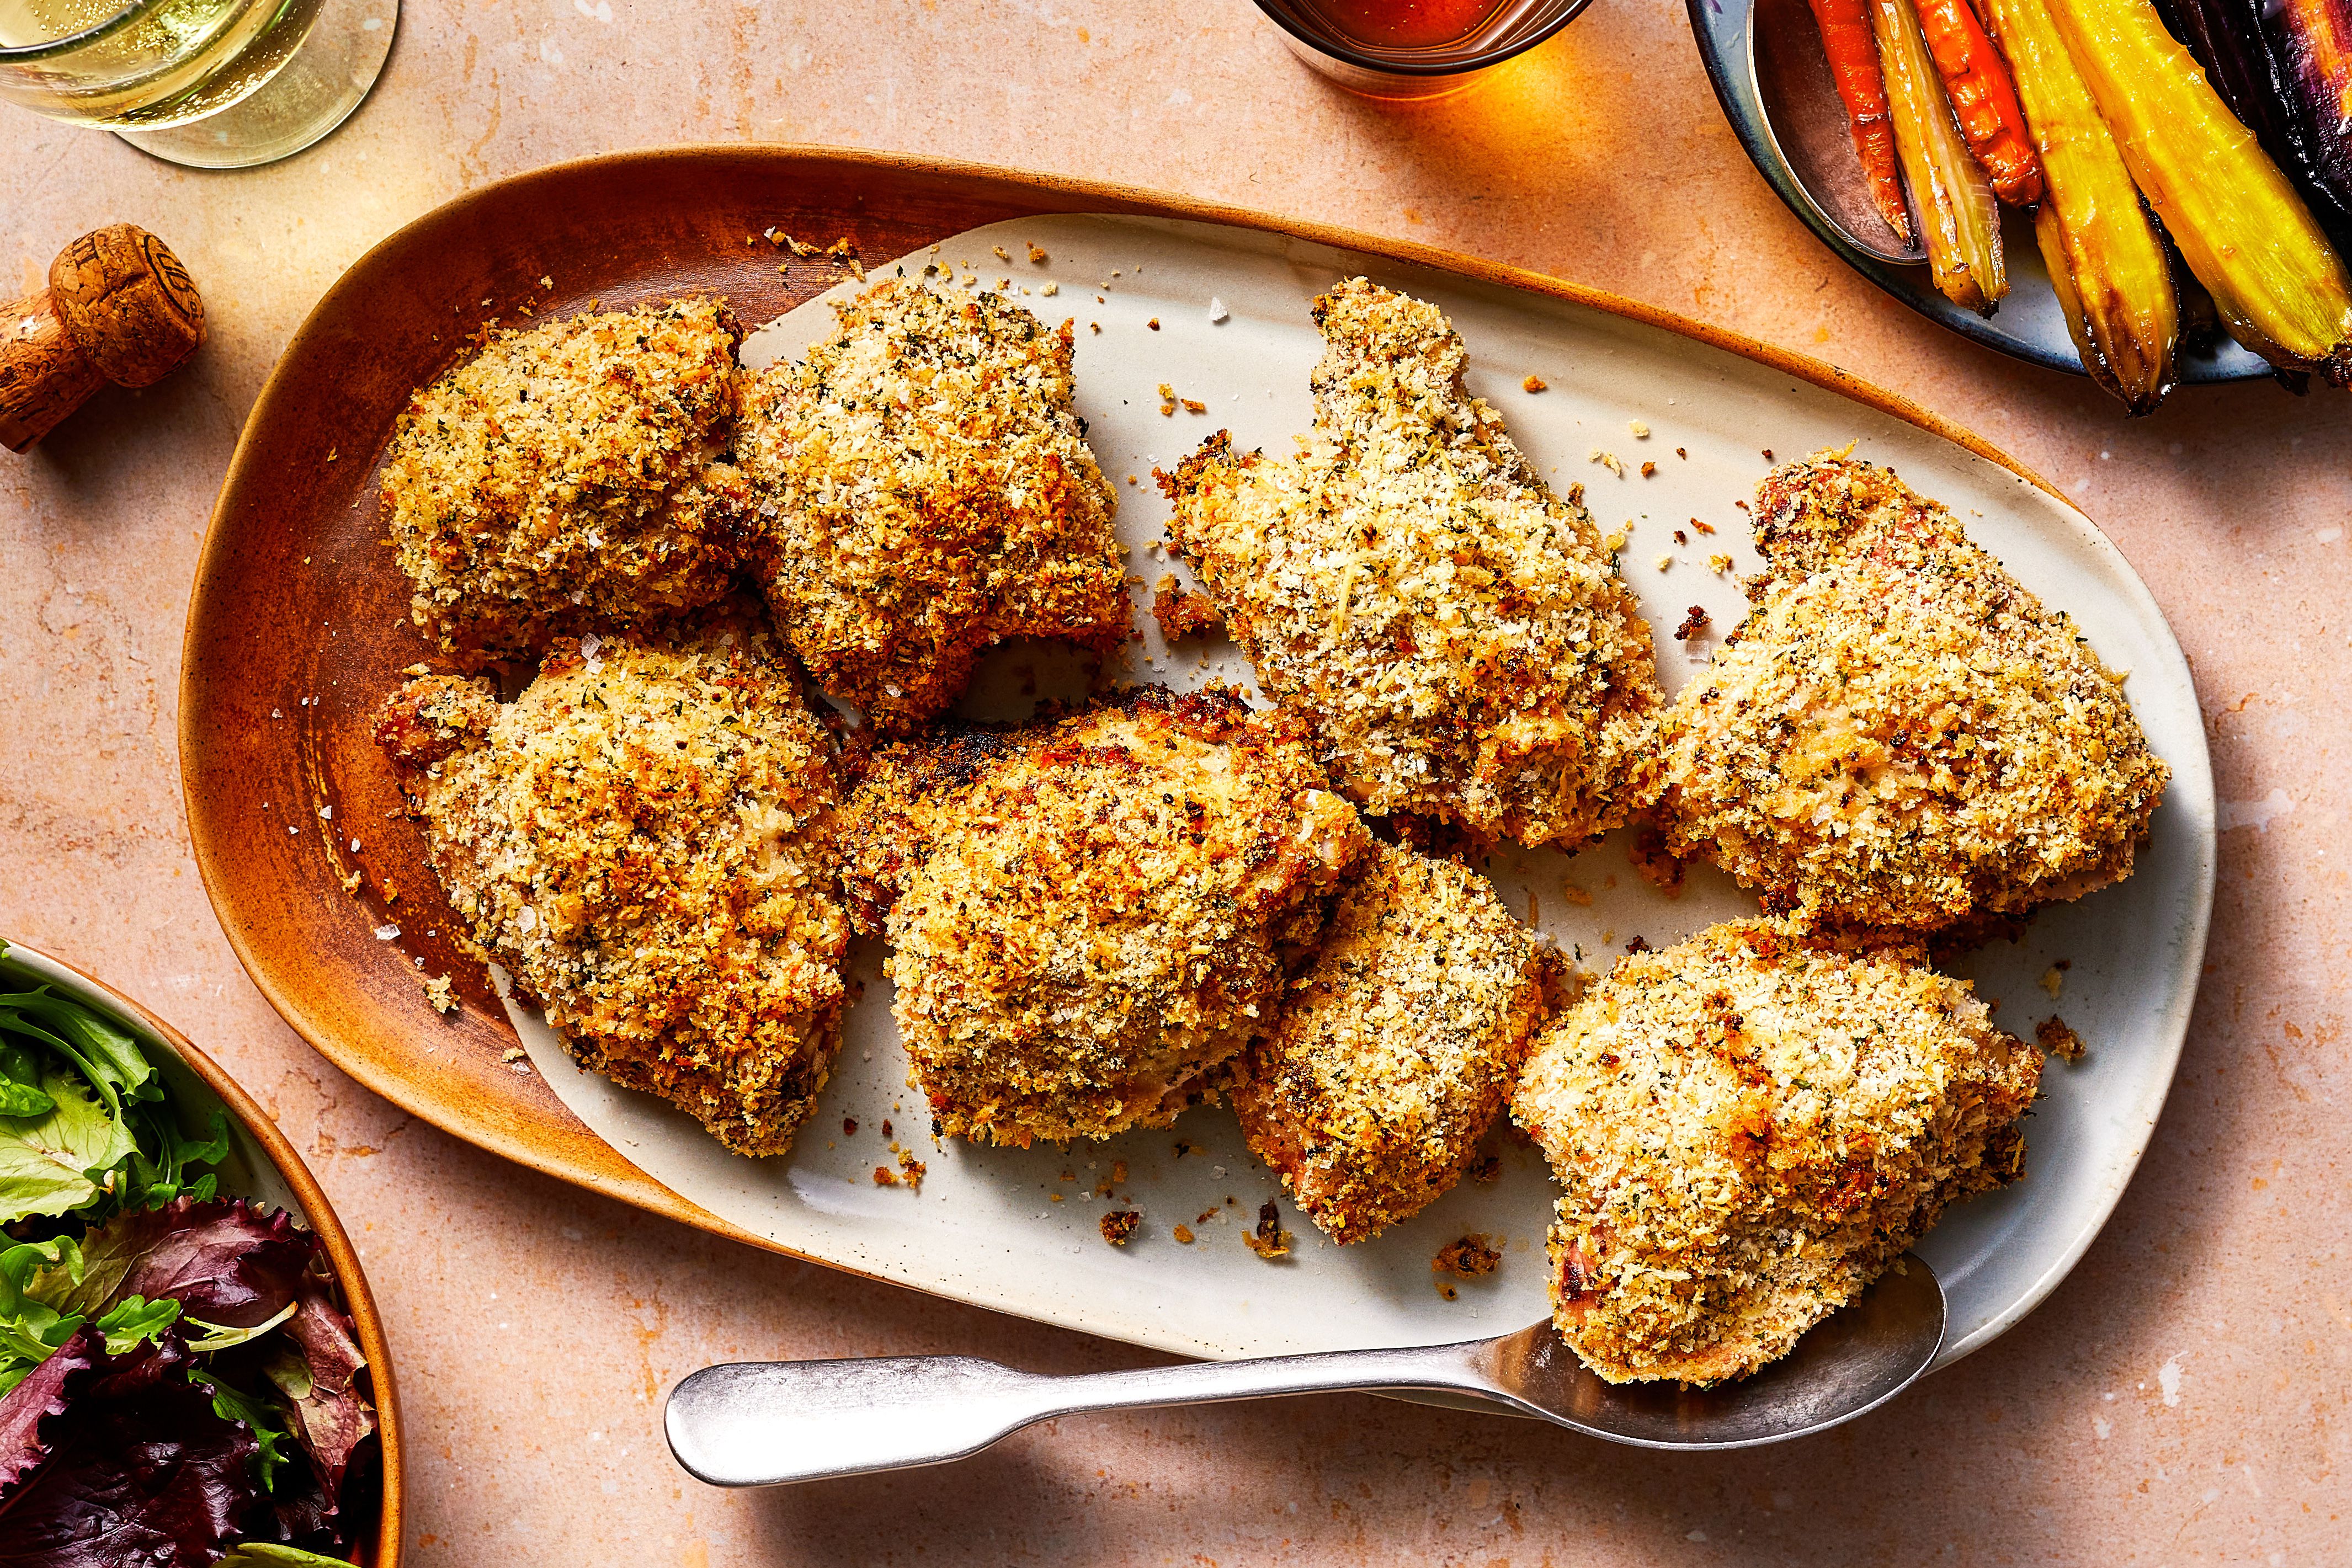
x=1507 y=29
x=13 y=54
x=235 y=83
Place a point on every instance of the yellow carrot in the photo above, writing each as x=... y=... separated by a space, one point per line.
x=2279 y=286
x=2105 y=258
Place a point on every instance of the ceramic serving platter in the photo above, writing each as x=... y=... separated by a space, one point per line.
x=261 y=1165
x=297 y=629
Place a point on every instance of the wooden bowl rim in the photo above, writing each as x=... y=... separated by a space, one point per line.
x=367 y=1322
x=595 y=1165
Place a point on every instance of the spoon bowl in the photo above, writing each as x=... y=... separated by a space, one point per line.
x=767 y=1423
x=1852 y=1362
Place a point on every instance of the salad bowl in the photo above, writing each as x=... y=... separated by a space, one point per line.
x=243 y=1157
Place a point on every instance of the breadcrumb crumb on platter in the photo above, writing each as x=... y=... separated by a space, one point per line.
x=1001 y=1224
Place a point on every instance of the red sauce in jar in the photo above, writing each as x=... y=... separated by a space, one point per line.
x=1407 y=23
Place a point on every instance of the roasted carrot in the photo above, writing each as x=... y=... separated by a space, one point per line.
x=2104 y=253
x=1984 y=98
x=2280 y=287
x=1959 y=219
x=1854 y=65
x=2106 y=260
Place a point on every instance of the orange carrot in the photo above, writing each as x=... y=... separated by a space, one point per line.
x=1984 y=98
x=1854 y=65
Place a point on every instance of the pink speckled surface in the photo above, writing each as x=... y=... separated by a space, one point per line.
x=2182 y=1398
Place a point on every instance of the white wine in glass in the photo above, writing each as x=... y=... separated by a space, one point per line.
x=217 y=83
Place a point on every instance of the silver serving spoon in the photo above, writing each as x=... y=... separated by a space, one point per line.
x=761 y=1423
x=1785 y=107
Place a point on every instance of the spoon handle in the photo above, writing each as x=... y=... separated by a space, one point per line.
x=766 y=1422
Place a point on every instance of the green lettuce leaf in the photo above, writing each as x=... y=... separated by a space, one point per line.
x=135 y=1318
x=217 y=1336
x=265 y=1554
x=107 y=1054
x=111 y=1144
x=150 y=1180
x=20 y=1083
x=30 y=1327
x=57 y=1162
x=267 y=1421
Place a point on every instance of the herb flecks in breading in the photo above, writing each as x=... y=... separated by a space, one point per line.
x=640 y=840
x=1749 y=1127
x=568 y=477
x=1087 y=916
x=1394 y=1051
x=1453 y=632
x=929 y=493
x=1900 y=735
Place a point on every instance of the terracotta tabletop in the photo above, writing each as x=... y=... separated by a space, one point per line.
x=2181 y=1398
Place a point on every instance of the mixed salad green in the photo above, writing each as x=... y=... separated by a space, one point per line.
x=177 y=1385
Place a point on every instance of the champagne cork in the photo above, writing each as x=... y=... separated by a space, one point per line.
x=119 y=308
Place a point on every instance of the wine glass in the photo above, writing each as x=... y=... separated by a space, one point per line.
x=216 y=84
x=1412 y=49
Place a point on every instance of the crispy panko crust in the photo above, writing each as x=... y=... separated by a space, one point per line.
x=1394 y=1051
x=1455 y=633
x=572 y=475
x=1751 y=1126
x=643 y=840
x=1088 y=914
x=929 y=493
x=1900 y=735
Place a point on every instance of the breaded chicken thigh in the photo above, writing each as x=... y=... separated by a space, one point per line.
x=1455 y=635
x=641 y=838
x=572 y=475
x=1395 y=1050
x=1087 y=916
x=1749 y=1127
x=929 y=493
x=1899 y=735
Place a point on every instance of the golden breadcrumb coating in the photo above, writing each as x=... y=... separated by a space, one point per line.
x=573 y=475
x=930 y=493
x=641 y=838
x=1749 y=1126
x=1455 y=633
x=1900 y=735
x=1087 y=916
x=1394 y=1051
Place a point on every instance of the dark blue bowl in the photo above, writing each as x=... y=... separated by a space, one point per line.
x=2028 y=325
